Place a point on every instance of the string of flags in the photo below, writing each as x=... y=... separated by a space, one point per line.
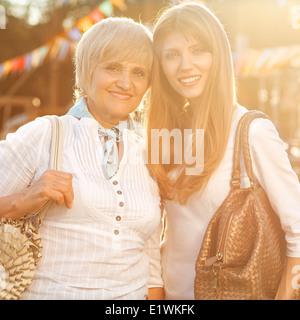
x=255 y=63
x=249 y=63
x=60 y=45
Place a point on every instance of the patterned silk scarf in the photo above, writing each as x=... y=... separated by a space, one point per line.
x=108 y=137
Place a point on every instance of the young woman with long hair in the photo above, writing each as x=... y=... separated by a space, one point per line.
x=193 y=88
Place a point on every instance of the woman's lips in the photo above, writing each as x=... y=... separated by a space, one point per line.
x=189 y=81
x=120 y=95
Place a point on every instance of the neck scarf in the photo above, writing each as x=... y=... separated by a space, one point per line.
x=108 y=137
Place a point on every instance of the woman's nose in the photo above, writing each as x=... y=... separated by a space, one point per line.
x=124 y=81
x=186 y=62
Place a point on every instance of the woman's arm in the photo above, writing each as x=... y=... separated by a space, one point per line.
x=289 y=280
x=20 y=159
x=155 y=285
x=273 y=170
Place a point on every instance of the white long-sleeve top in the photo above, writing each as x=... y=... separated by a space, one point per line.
x=186 y=225
x=107 y=245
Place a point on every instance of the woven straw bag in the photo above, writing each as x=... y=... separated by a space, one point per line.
x=243 y=250
x=20 y=244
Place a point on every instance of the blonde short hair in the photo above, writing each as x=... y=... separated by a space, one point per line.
x=121 y=39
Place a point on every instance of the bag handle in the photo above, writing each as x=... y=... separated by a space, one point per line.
x=245 y=142
x=242 y=145
x=56 y=143
x=55 y=164
x=236 y=173
x=55 y=158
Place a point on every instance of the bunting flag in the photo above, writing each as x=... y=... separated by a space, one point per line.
x=249 y=63
x=254 y=63
x=60 y=46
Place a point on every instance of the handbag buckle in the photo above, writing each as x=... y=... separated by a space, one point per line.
x=235 y=183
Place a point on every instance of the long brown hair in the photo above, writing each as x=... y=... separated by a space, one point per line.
x=214 y=111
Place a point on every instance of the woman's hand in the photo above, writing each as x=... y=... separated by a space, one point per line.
x=156 y=293
x=52 y=185
x=289 y=280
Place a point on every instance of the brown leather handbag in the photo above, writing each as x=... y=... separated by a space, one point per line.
x=243 y=250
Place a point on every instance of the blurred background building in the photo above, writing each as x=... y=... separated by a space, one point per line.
x=37 y=41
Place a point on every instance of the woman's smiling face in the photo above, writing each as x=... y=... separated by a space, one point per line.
x=186 y=64
x=116 y=89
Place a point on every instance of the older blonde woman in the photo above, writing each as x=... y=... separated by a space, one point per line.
x=193 y=88
x=101 y=240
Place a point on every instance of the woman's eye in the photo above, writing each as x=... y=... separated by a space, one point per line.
x=172 y=54
x=198 y=50
x=112 y=68
x=139 y=73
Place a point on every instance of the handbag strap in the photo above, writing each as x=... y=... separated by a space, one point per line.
x=242 y=145
x=55 y=164
x=56 y=143
x=245 y=142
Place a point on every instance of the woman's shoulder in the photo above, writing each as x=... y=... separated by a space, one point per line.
x=35 y=128
x=39 y=129
x=43 y=123
x=260 y=128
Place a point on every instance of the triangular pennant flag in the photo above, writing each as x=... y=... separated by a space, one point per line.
x=119 y=3
x=1 y=69
x=63 y=50
x=55 y=46
x=74 y=34
x=6 y=67
x=27 y=64
x=84 y=24
x=18 y=63
x=107 y=8
x=96 y=15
